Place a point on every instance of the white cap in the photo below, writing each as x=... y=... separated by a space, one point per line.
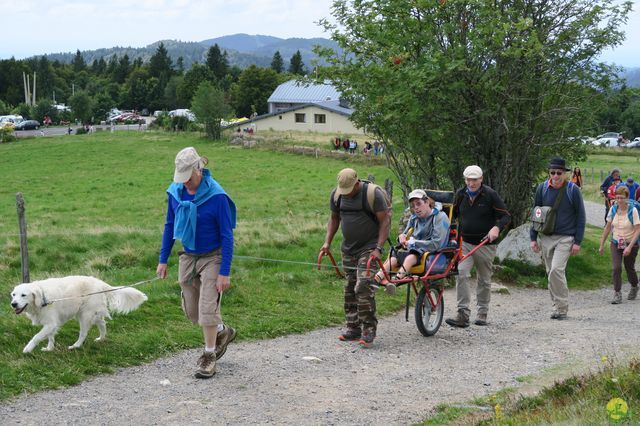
x=186 y=160
x=417 y=193
x=472 y=172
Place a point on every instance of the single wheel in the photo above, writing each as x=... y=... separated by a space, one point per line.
x=428 y=319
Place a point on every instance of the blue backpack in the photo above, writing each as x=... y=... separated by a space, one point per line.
x=632 y=205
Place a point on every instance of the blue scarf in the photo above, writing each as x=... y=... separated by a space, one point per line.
x=186 y=215
x=472 y=194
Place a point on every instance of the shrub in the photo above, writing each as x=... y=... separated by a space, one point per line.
x=7 y=135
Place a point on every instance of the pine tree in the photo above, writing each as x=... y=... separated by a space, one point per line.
x=277 y=64
x=296 y=65
x=217 y=62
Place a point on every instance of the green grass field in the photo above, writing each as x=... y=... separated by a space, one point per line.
x=601 y=161
x=95 y=205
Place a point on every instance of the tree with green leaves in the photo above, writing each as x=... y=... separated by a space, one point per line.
x=277 y=64
x=78 y=62
x=253 y=89
x=190 y=83
x=296 y=66
x=503 y=84
x=217 y=62
x=160 y=64
x=82 y=106
x=210 y=107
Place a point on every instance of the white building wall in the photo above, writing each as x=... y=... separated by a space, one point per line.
x=334 y=123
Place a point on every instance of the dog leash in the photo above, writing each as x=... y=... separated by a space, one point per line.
x=49 y=302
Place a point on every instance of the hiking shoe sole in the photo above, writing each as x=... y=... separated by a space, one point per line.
x=364 y=344
x=344 y=338
x=454 y=323
x=203 y=375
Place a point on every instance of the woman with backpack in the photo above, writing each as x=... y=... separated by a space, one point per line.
x=623 y=222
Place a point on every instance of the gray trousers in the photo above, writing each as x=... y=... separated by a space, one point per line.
x=482 y=259
x=556 y=250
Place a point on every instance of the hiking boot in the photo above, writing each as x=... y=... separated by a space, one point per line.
x=481 y=319
x=206 y=365
x=350 y=334
x=461 y=320
x=633 y=293
x=367 y=339
x=226 y=336
x=390 y=289
x=617 y=298
x=558 y=316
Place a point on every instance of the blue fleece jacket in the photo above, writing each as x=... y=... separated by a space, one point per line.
x=205 y=220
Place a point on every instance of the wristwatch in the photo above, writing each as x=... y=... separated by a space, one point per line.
x=380 y=249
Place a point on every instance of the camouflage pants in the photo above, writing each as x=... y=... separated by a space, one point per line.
x=359 y=292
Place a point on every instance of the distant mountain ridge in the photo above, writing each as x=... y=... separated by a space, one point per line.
x=242 y=50
x=632 y=75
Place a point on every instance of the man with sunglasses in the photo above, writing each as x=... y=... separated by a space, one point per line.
x=567 y=234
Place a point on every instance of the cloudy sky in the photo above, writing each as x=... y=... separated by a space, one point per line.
x=34 y=27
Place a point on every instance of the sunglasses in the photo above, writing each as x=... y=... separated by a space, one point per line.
x=556 y=172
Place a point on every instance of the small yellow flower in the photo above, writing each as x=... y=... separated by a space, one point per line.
x=604 y=359
x=498 y=411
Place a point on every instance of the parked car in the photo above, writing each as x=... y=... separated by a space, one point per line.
x=126 y=118
x=634 y=143
x=608 y=139
x=183 y=113
x=28 y=125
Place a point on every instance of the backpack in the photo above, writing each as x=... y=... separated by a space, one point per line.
x=633 y=204
x=368 y=188
x=570 y=188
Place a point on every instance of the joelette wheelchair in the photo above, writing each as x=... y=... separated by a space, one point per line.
x=432 y=271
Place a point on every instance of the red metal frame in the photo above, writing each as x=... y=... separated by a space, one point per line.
x=333 y=261
x=426 y=278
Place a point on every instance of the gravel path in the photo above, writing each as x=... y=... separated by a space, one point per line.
x=595 y=213
x=397 y=381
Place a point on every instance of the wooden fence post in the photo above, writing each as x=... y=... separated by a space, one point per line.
x=24 y=252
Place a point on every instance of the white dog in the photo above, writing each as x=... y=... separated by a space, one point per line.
x=39 y=301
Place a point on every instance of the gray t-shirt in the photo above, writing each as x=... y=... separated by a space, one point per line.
x=359 y=228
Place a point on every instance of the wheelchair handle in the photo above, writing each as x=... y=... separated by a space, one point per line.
x=333 y=261
x=380 y=264
x=484 y=241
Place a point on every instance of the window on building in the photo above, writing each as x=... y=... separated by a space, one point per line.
x=300 y=118
x=320 y=118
